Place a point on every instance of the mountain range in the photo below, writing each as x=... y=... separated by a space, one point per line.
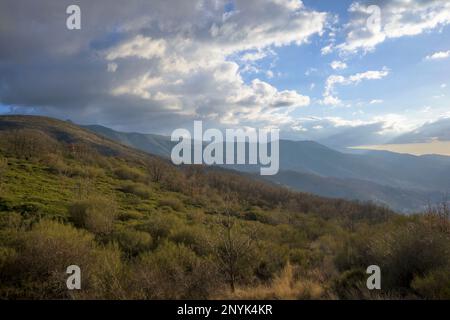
x=405 y=183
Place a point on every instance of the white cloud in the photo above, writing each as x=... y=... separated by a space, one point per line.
x=438 y=55
x=253 y=56
x=329 y=97
x=399 y=18
x=376 y=101
x=338 y=65
x=443 y=86
x=326 y=50
x=139 y=46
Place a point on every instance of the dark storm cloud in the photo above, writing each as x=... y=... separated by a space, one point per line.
x=147 y=64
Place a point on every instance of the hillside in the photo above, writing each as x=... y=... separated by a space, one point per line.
x=141 y=228
x=402 y=200
x=405 y=183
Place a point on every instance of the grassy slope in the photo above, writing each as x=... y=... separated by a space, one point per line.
x=167 y=233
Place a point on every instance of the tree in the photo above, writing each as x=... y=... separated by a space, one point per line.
x=233 y=248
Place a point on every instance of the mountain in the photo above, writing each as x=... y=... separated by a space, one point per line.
x=404 y=182
x=152 y=143
x=401 y=200
x=439 y=130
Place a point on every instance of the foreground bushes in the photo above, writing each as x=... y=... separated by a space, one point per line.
x=414 y=258
x=35 y=267
x=95 y=214
x=173 y=272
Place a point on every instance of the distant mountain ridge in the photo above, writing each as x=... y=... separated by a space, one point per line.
x=404 y=182
x=439 y=130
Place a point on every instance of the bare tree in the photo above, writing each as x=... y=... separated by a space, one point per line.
x=233 y=248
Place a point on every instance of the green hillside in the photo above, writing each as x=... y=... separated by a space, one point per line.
x=141 y=228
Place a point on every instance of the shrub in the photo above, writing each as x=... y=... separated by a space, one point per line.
x=193 y=238
x=3 y=167
x=173 y=203
x=159 y=226
x=408 y=255
x=351 y=284
x=7 y=257
x=138 y=189
x=434 y=285
x=96 y=214
x=108 y=276
x=173 y=272
x=56 y=164
x=128 y=173
x=41 y=257
x=272 y=258
x=414 y=250
x=133 y=242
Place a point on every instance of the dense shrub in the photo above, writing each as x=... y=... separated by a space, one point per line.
x=129 y=173
x=173 y=203
x=133 y=242
x=192 y=237
x=173 y=272
x=138 y=189
x=410 y=256
x=160 y=226
x=41 y=258
x=95 y=214
x=434 y=285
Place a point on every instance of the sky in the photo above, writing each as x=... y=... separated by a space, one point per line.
x=344 y=72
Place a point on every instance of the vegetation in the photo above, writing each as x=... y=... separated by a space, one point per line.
x=140 y=228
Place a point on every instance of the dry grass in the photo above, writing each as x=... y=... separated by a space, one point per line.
x=283 y=287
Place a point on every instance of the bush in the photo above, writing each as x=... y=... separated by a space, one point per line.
x=193 y=238
x=351 y=284
x=173 y=203
x=173 y=272
x=128 y=173
x=434 y=285
x=160 y=226
x=408 y=255
x=414 y=250
x=108 y=276
x=38 y=264
x=96 y=214
x=133 y=242
x=138 y=189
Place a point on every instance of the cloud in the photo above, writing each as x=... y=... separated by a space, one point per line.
x=397 y=18
x=151 y=65
x=338 y=65
x=376 y=101
x=139 y=46
x=329 y=97
x=327 y=50
x=438 y=55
